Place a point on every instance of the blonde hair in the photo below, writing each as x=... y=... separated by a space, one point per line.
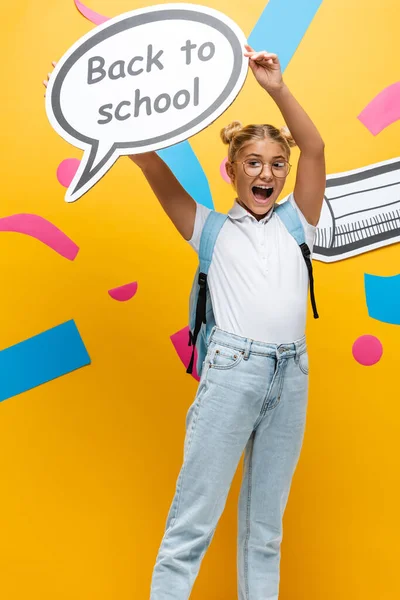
x=235 y=135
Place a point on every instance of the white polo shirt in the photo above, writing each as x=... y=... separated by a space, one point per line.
x=258 y=278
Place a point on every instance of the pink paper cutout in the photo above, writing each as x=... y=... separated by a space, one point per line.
x=124 y=292
x=66 y=171
x=44 y=231
x=92 y=16
x=367 y=350
x=383 y=110
x=180 y=342
x=223 y=172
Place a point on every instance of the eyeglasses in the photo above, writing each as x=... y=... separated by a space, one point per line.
x=253 y=167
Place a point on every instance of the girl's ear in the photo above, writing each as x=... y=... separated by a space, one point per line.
x=230 y=171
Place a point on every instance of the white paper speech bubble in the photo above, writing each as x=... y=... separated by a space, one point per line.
x=145 y=80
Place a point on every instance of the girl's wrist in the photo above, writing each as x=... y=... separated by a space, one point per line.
x=277 y=91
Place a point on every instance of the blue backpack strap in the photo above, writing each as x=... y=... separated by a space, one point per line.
x=289 y=217
x=211 y=229
x=209 y=235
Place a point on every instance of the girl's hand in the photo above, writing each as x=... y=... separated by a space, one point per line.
x=266 y=69
x=46 y=81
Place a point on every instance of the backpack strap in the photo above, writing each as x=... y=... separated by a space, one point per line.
x=288 y=215
x=209 y=235
x=211 y=229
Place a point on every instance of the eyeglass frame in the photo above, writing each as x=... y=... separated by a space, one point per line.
x=262 y=168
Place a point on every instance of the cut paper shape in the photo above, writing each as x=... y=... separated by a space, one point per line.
x=169 y=105
x=66 y=171
x=360 y=212
x=383 y=298
x=383 y=110
x=41 y=229
x=92 y=16
x=186 y=167
x=180 y=342
x=223 y=172
x=268 y=29
x=40 y=359
x=124 y=292
x=367 y=350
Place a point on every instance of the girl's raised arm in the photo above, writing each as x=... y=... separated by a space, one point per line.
x=176 y=202
x=311 y=176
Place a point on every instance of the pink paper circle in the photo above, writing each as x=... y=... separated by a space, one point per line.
x=124 y=292
x=223 y=172
x=67 y=170
x=367 y=350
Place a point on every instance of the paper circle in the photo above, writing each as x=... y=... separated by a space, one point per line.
x=66 y=171
x=367 y=350
x=124 y=292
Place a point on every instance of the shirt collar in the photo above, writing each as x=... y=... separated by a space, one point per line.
x=237 y=212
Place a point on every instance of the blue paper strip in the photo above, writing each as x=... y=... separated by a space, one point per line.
x=40 y=359
x=186 y=167
x=383 y=298
x=282 y=26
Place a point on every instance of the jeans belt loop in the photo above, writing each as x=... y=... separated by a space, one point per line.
x=247 y=349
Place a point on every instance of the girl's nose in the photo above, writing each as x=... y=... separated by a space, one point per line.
x=266 y=172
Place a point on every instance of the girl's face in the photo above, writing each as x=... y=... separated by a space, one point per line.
x=258 y=192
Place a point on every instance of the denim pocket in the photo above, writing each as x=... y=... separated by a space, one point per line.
x=224 y=358
x=303 y=362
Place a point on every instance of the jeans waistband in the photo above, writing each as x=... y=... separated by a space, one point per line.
x=249 y=346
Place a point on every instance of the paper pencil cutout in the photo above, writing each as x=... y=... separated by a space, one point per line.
x=361 y=212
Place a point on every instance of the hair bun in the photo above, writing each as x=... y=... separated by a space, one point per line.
x=288 y=137
x=229 y=132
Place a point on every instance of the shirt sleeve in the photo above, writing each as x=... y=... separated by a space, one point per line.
x=309 y=230
x=202 y=213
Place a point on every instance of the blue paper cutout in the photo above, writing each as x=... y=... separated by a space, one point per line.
x=282 y=26
x=186 y=167
x=383 y=298
x=40 y=359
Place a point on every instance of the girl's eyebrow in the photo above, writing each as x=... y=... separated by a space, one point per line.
x=259 y=156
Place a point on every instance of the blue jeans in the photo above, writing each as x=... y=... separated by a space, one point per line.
x=252 y=397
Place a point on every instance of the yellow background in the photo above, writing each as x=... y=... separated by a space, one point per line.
x=88 y=462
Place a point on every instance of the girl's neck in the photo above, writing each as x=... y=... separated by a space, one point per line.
x=258 y=217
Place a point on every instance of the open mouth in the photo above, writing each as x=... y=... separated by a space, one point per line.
x=262 y=193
